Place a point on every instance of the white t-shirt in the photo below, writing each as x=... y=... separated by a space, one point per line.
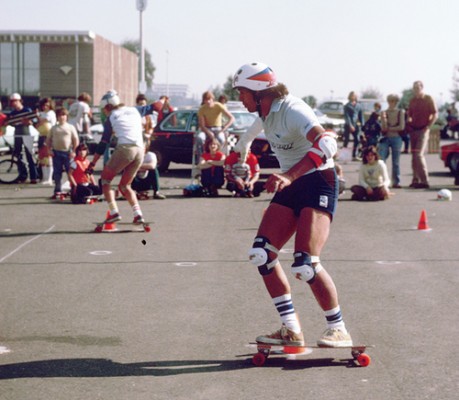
x=286 y=126
x=126 y=123
x=78 y=112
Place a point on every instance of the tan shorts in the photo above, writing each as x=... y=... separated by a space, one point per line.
x=126 y=157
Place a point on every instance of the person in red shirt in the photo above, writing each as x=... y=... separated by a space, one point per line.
x=83 y=184
x=241 y=174
x=422 y=114
x=211 y=166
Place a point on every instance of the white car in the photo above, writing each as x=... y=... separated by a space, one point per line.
x=336 y=124
x=7 y=139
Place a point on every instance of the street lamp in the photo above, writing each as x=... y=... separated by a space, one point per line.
x=141 y=6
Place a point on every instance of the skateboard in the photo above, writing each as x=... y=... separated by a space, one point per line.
x=91 y=199
x=142 y=196
x=18 y=118
x=61 y=196
x=145 y=227
x=265 y=350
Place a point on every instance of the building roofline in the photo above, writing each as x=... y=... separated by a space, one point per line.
x=45 y=36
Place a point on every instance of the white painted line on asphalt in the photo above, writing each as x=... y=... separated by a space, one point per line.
x=388 y=262
x=186 y=264
x=4 y=350
x=100 y=253
x=25 y=244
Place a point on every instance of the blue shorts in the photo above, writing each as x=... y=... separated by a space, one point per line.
x=318 y=190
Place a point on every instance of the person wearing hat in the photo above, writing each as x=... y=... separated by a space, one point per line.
x=304 y=202
x=23 y=138
x=126 y=124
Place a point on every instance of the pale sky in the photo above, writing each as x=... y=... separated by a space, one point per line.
x=318 y=48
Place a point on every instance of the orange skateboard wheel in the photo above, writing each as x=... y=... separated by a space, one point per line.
x=258 y=359
x=364 y=360
x=147 y=228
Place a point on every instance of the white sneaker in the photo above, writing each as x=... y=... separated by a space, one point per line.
x=335 y=338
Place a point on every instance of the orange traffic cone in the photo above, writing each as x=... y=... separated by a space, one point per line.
x=423 y=224
x=109 y=226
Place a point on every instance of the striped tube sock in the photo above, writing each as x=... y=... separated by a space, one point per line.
x=335 y=319
x=136 y=210
x=284 y=306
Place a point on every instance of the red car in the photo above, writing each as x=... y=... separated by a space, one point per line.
x=449 y=154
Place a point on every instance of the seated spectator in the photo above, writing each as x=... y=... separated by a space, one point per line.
x=147 y=176
x=241 y=175
x=83 y=184
x=211 y=166
x=373 y=178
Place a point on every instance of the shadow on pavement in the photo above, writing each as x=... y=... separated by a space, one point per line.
x=99 y=367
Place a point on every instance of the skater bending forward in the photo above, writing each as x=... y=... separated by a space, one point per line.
x=126 y=124
x=304 y=202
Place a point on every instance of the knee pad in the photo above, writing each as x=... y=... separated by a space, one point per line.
x=303 y=268
x=259 y=255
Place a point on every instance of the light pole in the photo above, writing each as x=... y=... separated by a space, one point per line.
x=167 y=73
x=141 y=6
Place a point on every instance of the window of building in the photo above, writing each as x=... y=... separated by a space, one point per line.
x=20 y=68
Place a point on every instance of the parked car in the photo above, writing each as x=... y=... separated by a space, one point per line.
x=7 y=139
x=173 y=138
x=335 y=124
x=449 y=154
x=335 y=108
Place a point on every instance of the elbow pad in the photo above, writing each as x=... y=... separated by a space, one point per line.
x=323 y=148
x=101 y=146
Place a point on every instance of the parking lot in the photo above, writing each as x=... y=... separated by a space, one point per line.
x=168 y=314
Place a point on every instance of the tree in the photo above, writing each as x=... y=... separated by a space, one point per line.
x=407 y=95
x=227 y=90
x=371 y=93
x=134 y=46
x=310 y=100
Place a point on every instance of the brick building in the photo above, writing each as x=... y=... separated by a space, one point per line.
x=62 y=64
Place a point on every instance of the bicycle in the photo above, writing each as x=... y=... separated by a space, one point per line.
x=10 y=167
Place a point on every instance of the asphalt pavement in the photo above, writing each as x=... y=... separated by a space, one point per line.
x=169 y=314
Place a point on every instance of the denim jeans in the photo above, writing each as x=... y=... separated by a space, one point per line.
x=355 y=139
x=61 y=160
x=394 y=145
x=26 y=143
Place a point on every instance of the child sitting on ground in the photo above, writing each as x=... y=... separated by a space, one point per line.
x=241 y=174
x=211 y=166
x=147 y=177
x=373 y=178
x=83 y=184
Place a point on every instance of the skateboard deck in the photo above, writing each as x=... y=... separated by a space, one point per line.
x=18 y=118
x=92 y=199
x=265 y=350
x=101 y=227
